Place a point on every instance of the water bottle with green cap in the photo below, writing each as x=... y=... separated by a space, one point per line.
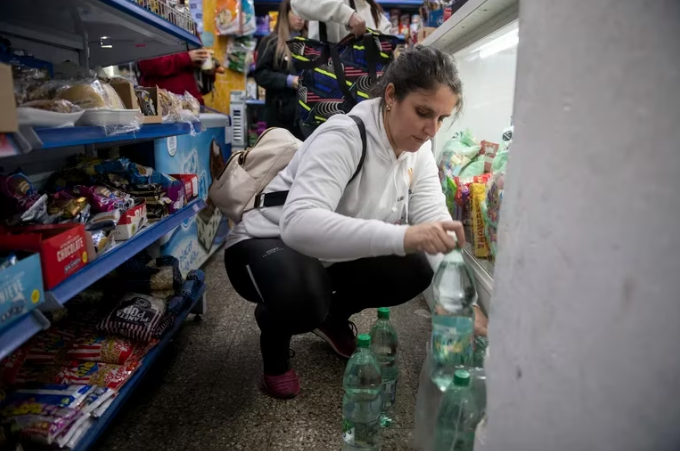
x=362 y=402
x=457 y=417
x=453 y=319
x=384 y=343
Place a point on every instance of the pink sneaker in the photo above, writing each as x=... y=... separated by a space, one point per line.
x=341 y=335
x=284 y=386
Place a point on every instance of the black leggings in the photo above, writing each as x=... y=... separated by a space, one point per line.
x=295 y=293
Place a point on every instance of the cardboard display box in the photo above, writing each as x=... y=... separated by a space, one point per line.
x=8 y=111
x=21 y=288
x=126 y=91
x=62 y=248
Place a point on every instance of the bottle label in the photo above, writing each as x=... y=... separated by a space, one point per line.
x=452 y=343
x=389 y=393
x=348 y=431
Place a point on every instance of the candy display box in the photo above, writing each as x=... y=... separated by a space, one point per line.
x=130 y=222
x=21 y=288
x=62 y=248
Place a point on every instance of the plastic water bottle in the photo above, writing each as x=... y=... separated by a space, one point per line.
x=453 y=319
x=362 y=403
x=457 y=418
x=384 y=343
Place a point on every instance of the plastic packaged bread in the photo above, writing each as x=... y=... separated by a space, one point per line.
x=92 y=94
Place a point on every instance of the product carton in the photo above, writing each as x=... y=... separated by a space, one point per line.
x=62 y=248
x=8 y=111
x=21 y=288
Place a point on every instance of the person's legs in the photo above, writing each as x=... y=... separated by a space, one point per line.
x=293 y=293
x=377 y=282
x=369 y=282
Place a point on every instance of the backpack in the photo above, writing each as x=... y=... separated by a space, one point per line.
x=239 y=186
x=333 y=78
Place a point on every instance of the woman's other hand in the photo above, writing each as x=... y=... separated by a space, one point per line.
x=357 y=25
x=296 y=82
x=481 y=322
x=198 y=56
x=433 y=237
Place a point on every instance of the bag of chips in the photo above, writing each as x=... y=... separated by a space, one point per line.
x=136 y=317
x=101 y=347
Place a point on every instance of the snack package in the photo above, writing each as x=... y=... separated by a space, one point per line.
x=90 y=94
x=190 y=103
x=240 y=53
x=55 y=105
x=100 y=347
x=171 y=106
x=135 y=317
x=39 y=422
x=27 y=79
x=21 y=201
x=479 y=243
x=248 y=23
x=145 y=102
x=489 y=149
x=103 y=199
x=228 y=17
x=273 y=19
x=491 y=210
x=457 y=153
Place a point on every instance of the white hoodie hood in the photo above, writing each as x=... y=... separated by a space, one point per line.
x=327 y=218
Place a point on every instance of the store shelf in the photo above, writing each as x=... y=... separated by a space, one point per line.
x=76 y=136
x=123 y=250
x=133 y=32
x=400 y=3
x=483 y=272
x=255 y=102
x=472 y=22
x=127 y=390
x=21 y=331
x=409 y=4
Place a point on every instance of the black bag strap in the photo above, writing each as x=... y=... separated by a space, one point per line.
x=278 y=198
x=372 y=57
x=339 y=71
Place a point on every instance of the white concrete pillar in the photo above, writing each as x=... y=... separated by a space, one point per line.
x=585 y=321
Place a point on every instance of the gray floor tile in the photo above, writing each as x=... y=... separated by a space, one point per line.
x=205 y=394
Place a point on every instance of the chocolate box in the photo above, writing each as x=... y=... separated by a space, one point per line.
x=62 y=248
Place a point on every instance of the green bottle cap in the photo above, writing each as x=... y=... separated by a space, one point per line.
x=364 y=341
x=461 y=378
x=384 y=313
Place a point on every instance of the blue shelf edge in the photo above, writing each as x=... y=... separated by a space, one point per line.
x=103 y=265
x=150 y=18
x=20 y=331
x=100 y=425
x=78 y=136
x=254 y=102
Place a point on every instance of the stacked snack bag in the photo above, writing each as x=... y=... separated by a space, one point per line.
x=61 y=381
x=471 y=174
x=113 y=199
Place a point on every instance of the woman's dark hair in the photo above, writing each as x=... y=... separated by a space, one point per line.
x=420 y=68
x=376 y=12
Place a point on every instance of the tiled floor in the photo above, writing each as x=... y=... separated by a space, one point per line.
x=204 y=393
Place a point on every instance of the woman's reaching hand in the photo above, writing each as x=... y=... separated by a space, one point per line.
x=433 y=237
